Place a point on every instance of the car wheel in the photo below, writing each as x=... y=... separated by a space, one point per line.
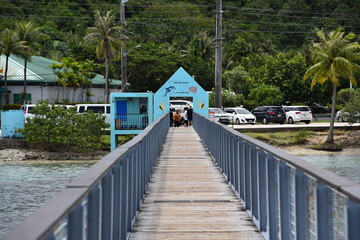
x=307 y=122
x=281 y=122
x=290 y=120
x=265 y=121
x=237 y=121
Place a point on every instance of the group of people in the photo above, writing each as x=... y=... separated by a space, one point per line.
x=176 y=119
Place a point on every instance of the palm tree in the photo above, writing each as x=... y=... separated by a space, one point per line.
x=108 y=38
x=334 y=58
x=28 y=33
x=10 y=44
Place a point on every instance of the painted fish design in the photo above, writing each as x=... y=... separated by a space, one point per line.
x=193 y=89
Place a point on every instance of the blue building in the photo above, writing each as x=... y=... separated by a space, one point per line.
x=132 y=112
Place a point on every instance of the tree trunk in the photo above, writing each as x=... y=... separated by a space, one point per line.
x=330 y=138
x=106 y=79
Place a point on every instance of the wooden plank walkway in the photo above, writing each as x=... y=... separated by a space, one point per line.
x=188 y=197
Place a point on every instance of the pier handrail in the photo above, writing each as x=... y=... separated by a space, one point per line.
x=287 y=197
x=103 y=202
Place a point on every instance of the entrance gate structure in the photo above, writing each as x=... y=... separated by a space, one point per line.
x=131 y=113
x=181 y=84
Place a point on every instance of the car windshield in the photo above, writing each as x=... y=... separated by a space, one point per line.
x=290 y=109
x=216 y=110
x=303 y=109
x=242 y=111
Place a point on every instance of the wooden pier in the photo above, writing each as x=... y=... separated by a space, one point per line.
x=189 y=198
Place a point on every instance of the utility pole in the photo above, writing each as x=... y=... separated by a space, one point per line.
x=124 y=77
x=218 y=55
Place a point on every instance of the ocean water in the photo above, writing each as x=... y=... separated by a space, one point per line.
x=24 y=187
x=345 y=164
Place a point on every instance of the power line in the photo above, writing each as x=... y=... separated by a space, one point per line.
x=292 y=23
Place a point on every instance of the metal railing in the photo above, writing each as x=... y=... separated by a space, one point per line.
x=131 y=121
x=103 y=202
x=286 y=197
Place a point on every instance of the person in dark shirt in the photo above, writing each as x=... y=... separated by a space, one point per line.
x=189 y=114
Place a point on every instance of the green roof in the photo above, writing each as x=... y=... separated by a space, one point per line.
x=38 y=71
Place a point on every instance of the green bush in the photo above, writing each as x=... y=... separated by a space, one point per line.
x=56 y=128
x=11 y=107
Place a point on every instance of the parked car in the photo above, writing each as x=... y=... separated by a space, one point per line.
x=342 y=116
x=104 y=109
x=28 y=110
x=266 y=114
x=180 y=104
x=241 y=115
x=298 y=114
x=218 y=115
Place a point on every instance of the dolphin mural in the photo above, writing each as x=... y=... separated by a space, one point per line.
x=168 y=89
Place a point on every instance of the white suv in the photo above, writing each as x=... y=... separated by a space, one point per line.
x=241 y=115
x=180 y=104
x=298 y=114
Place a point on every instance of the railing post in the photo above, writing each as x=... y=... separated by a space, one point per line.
x=301 y=192
x=93 y=226
x=106 y=220
x=262 y=188
x=272 y=197
x=353 y=218
x=254 y=182
x=116 y=219
x=247 y=177
x=284 y=180
x=75 y=222
x=124 y=203
x=323 y=199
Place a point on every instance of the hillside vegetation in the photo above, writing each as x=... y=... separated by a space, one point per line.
x=266 y=43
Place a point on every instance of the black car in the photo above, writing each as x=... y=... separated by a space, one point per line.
x=266 y=114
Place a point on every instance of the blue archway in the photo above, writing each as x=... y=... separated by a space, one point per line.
x=181 y=84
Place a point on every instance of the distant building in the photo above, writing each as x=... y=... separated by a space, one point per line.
x=42 y=83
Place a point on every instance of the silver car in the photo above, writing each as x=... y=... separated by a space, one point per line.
x=241 y=115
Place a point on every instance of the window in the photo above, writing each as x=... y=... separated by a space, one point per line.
x=17 y=98
x=95 y=109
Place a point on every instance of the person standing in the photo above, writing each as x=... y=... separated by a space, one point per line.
x=189 y=115
x=185 y=117
x=177 y=118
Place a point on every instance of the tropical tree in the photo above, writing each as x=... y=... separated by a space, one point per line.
x=73 y=74
x=31 y=36
x=334 y=58
x=106 y=33
x=10 y=44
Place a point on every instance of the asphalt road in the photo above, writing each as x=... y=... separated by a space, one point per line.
x=298 y=125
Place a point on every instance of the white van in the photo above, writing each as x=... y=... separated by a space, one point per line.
x=95 y=108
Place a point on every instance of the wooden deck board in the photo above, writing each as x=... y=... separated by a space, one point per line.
x=188 y=197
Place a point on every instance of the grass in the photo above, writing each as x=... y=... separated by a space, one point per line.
x=106 y=141
x=284 y=138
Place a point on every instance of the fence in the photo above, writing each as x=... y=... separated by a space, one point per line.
x=133 y=121
x=286 y=197
x=102 y=203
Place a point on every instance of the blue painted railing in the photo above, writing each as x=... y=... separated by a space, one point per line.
x=102 y=203
x=286 y=197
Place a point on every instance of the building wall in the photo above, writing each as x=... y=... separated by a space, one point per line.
x=51 y=93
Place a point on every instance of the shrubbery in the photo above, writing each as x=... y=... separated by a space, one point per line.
x=11 y=107
x=56 y=128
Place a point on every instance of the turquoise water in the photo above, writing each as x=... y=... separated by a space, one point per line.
x=345 y=165
x=27 y=186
